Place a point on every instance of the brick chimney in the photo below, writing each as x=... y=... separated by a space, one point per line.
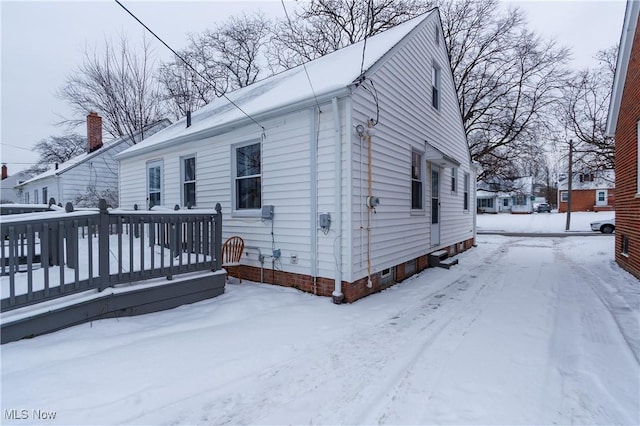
x=94 y=132
x=4 y=171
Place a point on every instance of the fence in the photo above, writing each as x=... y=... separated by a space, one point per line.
x=51 y=254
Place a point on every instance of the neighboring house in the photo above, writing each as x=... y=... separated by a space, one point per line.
x=96 y=170
x=506 y=196
x=9 y=182
x=624 y=123
x=590 y=192
x=346 y=173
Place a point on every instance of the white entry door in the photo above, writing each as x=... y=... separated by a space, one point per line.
x=435 y=205
x=602 y=198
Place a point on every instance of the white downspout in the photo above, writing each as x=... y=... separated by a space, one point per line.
x=337 y=292
x=313 y=194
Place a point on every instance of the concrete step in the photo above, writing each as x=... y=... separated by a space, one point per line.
x=437 y=256
x=448 y=263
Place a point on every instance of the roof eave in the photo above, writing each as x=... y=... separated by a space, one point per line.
x=235 y=124
x=624 y=54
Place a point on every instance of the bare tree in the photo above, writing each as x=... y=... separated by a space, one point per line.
x=119 y=84
x=58 y=149
x=507 y=79
x=229 y=56
x=323 y=26
x=584 y=110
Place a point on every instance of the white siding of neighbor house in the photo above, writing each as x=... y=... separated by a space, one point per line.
x=100 y=171
x=407 y=119
x=286 y=184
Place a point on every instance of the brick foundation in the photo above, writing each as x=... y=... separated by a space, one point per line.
x=352 y=291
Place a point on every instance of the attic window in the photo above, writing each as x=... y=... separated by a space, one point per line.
x=435 y=87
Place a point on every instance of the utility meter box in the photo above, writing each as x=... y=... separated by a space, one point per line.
x=324 y=221
x=267 y=212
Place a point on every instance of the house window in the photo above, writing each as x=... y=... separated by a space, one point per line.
x=520 y=200
x=45 y=195
x=467 y=184
x=26 y=197
x=486 y=203
x=564 y=196
x=505 y=202
x=35 y=197
x=625 y=245
x=247 y=176
x=435 y=87
x=586 y=177
x=601 y=197
x=189 y=181
x=416 y=180
x=154 y=183
x=454 y=180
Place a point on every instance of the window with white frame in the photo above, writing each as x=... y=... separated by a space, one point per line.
x=416 y=180
x=26 y=197
x=154 y=183
x=247 y=175
x=36 y=200
x=435 y=87
x=188 y=181
x=454 y=180
x=467 y=184
x=520 y=200
x=564 y=196
x=45 y=195
x=486 y=203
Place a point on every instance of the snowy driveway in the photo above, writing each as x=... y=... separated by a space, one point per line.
x=523 y=331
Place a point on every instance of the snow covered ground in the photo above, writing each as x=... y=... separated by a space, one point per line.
x=540 y=222
x=522 y=331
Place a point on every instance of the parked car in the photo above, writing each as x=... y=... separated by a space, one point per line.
x=544 y=208
x=605 y=226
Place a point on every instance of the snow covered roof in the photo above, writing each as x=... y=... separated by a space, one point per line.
x=79 y=159
x=330 y=75
x=602 y=179
x=631 y=15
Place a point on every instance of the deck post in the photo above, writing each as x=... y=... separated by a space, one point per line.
x=217 y=237
x=103 y=245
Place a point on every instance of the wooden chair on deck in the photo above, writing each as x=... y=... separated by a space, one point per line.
x=231 y=252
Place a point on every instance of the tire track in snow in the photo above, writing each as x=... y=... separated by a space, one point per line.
x=427 y=358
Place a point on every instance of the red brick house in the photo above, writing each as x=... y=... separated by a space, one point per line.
x=590 y=192
x=624 y=123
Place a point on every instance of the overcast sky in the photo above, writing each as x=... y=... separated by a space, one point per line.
x=42 y=43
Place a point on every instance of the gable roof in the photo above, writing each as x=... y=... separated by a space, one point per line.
x=602 y=179
x=84 y=157
x=631 y=14
x=330 y=75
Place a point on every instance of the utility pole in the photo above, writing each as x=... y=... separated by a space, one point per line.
x=570 y=185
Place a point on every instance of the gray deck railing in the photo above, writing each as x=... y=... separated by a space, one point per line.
x=51 y=254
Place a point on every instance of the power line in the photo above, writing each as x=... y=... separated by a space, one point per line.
x=366 y=33
x=188 y=64
x=303 y=64
x=16 y=146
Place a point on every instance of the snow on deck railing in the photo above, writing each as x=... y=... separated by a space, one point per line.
x=51 y=254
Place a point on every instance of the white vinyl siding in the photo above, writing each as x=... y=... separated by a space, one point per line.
x=409 y=120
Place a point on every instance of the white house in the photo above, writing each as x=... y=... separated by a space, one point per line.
x=9 y=182
x=341 y=175
x=507 y=196
x=95 y=170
